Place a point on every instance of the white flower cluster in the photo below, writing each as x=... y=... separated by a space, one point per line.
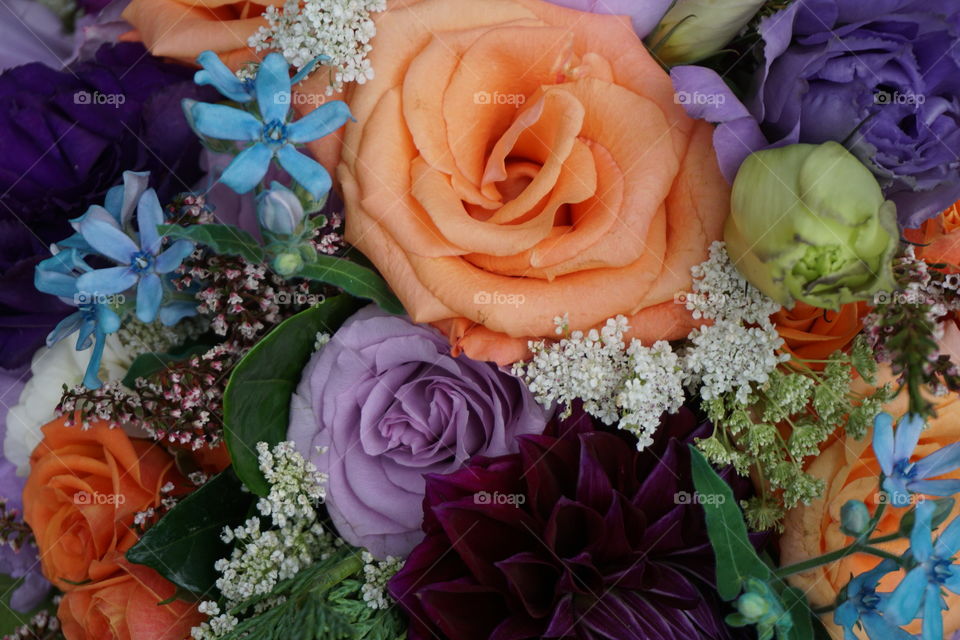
x=376 y=573
x=262 y=558
x=341 y=30
x=742 y=347
x=630 y=387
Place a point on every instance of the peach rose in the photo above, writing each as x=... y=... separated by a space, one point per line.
x=850 y=471
x=84 y=488
x=125 y=607
x=813 y=333
x=183 y=29
x=514 y=161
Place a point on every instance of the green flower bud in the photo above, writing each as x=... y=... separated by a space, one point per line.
x=854 y=517
x=753 y=606
x=287 y=264
x=809 y=223
x=696 y=29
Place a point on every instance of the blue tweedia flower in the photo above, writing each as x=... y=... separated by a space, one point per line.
x=903 y=477
x=219 y=76
x=864 y=604
x=93 y=319
x=141 y=265
x=933 y=570
x=272 y=133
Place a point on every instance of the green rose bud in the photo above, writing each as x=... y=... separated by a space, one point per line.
x=696 y=29
x=809 y=223
x=854 y=517
x=287 y=264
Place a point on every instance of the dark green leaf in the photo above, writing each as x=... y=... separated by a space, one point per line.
x=224 y=239
x=146 y=364
x=942 y=509
x=184 y=545
x=736 y=558
x=353 y=278
x=796 y=605
x=256 y=403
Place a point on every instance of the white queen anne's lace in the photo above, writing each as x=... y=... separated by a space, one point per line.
x=341 y=30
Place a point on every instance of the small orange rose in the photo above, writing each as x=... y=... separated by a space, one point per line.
x=812 y=333
x=126 y=607
x=84 y=488
x=514 y=161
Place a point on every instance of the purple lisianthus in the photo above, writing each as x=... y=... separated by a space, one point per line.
x=645 y=14
x=883 y=77
x=68 y=136
x=578 y=535
x=384 y=403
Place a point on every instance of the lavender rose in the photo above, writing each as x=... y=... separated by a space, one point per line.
x=385 y=403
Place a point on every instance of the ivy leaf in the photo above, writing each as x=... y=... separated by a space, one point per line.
x=353 y=278
x=224 y=239
x=184 y=545
x=735 y=556
x=256 y=402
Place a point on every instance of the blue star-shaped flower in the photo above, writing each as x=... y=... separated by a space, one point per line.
x=863 y=605
x=903 y=477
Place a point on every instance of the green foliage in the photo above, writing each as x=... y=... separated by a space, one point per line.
x=256 y=403
x=184 y=545
x=357 y=280
x=224 y=239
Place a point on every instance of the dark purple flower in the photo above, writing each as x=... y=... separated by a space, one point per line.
x=577 y=536
x=881 y=76
x=68 y=136
x=384 y=403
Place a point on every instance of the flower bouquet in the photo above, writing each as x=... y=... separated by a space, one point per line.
x=480 y=319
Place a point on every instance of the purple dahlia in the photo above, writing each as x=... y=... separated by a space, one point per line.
x=578 y=535
x=68 y=136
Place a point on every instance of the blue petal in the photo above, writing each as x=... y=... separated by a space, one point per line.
x=64 y=328
x=877 y=627
x=906 y=599
x=95 y=212
x=225 y=123
x=247 y=169
x=149 y=216
x=173 y=256
x=107 y=319
x=307 y=68
x=939 y=462
x=883 y=441
x=896 y=488
x=108 y=240
x=55 y=283
x=948 y=544
x=217 y=74
x=171 y=314
x=85 y=334
x=305 y=170
x=952 y=581
x=273 y=88
x=113 y=201
x=907 y=436
x=932 y=615
x=320 y=122
x=846 y=614
x=134 y=184
x=106 y=281
x=76 y=241
x=149 y=297
x=921 y=545
x=91 y=378
x=935 y=487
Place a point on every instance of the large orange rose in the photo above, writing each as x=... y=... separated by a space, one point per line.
x=183 y=29
x=513 y=161
x=84 y=488
x=812 y=333
x=850 y=471
x=125 y=607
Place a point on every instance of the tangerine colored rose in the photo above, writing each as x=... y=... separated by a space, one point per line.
x=84 y=488
x=514 y=161
x=850 y=471
x=812 y=333
x=125 y=607
x=182 y=29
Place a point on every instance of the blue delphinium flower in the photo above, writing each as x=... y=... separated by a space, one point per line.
x=93 y=319
x=933 y=571
x=140 y=264
x=864 y=604
x=272 y=133
x=903 y=476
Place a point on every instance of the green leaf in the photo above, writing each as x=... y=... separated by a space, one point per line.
x=146 y=364
x=256 y=402
x=353 y=278
x=184 y=545
x=942 y=509
x=736 y=558
x=795 y=604
x=224 y=239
